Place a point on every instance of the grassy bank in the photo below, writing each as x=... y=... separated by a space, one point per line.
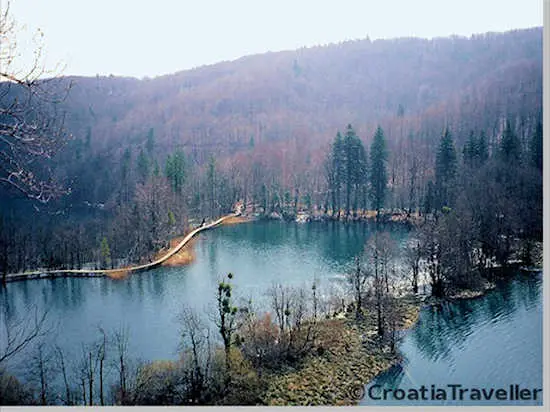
x=347 y=358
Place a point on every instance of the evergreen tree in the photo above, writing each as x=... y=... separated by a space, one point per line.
x=143 y=166
x=535 y=147
x=125 y=167
x=211 y=182
x=429 y=198
x=475 y=151
x=445 y=171
x=126 y=164
x=378 y=170
x=482 y=149
x=105 y=253
x=175 y=171
x=470 y=151
x=156 y=169
x=338 y=167
x=346 y=169
x=150 y=145
x=510 y=147
x=171 y=219
x=354 y=166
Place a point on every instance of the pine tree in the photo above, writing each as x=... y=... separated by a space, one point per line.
x=510 y=147
x=482 y=149
x=126 y=165
x=143 y=166
x=429 y=198
x=156 y=168
x=175 y=171
x=535 y=147
x=150 y=145
x=211 y=181
x=445 y=171
x=338 y=166
x=378 y=170
x=346 y=169
x=470 y=151
x=105 y=253
x=354 y=172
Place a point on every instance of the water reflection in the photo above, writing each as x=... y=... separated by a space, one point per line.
x=492 y=341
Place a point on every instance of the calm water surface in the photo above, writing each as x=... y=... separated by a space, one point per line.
x=491 y=342
x=496 y=339
x=259 y=254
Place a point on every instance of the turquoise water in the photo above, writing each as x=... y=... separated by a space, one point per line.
x=487 y=343
x=490 y=342
x=259 y=254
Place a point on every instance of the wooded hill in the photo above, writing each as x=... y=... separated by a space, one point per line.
x=290 y=104
x=194 y=142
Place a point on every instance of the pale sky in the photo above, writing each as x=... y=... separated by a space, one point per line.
x=154 y=37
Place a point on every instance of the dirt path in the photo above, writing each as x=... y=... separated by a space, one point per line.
x=116 y=272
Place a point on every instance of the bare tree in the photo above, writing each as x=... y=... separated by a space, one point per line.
x=120 y=341
x=101 y=355
x=19 y=333
x=413 y=254
x=296 y=320
x=357 y=279
x=197 y=351
x=88 y=370
x=41 y=372
x=69 y=395
x=373 y=252
x=31 y=122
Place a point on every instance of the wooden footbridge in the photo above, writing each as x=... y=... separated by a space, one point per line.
x=38 y=274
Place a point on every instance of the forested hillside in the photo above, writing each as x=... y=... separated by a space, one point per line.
x=144 y=156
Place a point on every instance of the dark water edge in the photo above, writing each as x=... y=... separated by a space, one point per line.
x=487 y=343
x=452 y=341
x=148 y=304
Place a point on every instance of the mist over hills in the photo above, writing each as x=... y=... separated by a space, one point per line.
x=309 y=93
x=146 y=156
x=278 y=111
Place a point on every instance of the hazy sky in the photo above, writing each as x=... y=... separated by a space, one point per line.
x=148 y=38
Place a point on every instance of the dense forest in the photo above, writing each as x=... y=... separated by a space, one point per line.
x=143 y=158
x=444 y=136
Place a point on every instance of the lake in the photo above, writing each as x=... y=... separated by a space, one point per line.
x=487 y=343
x=259 y=254
x=496 y=338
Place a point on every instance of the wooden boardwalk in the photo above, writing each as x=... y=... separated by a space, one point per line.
x=38 y=274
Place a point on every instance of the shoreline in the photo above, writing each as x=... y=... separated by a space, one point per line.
x=349 y=360
x=174 y=260
x=354 y=361
x=466 y=295
x=115 y=273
